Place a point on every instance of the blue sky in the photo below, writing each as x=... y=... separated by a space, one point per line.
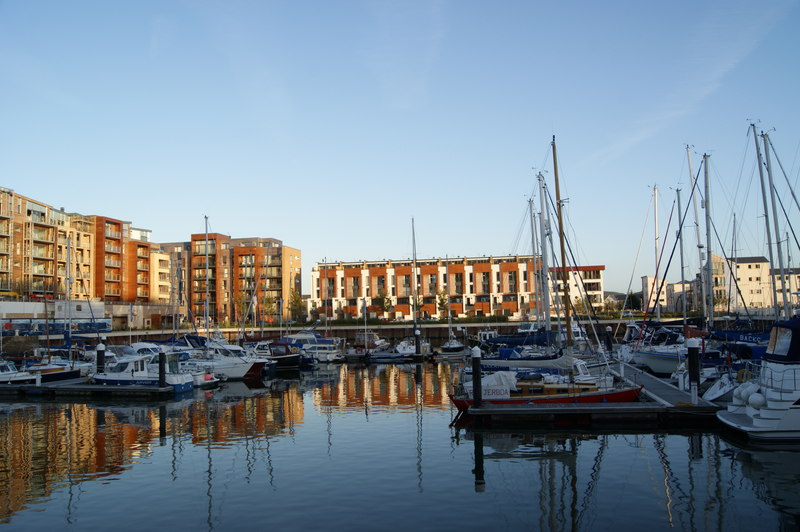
x=329 y=125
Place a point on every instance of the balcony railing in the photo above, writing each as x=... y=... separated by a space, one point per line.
x=111 y=248
x=113 y=263
x=113 y=234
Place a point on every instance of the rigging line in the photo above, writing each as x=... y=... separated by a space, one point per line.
x=587 y=303
x=791 y=189
x=786 y=215
x=658 y=265
x=728 y=261
x=635 y=263
x=520 y=229
x=682 y=220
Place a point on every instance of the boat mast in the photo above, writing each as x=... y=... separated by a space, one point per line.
x=544 y=274
x=68 y=335
x=696 y=227
x=564 y=272
x=655 y=289
x=534 y=294
x=447 y=294
x=417 y=345
x=782 y=272
x=680 y=240
x=709 y=284
x=766 y=223
x=205 y=303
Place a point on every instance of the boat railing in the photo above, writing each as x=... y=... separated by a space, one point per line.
x=786 y=382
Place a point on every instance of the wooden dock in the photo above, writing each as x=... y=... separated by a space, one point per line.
x=662 y=405
x=83 y=388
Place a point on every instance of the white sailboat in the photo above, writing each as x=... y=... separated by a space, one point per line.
x=453 y=347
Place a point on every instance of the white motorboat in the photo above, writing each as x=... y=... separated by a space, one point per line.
x=767 y=406
x=320 y=348
x=10 y=375
x=138 y=370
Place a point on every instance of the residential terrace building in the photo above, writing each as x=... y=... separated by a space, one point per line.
x=468 y=286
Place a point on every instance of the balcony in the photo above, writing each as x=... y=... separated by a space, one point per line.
x=142 y=292
x=143 y=266
x=113 y=263
x=113 y=277
x=39 y=218
x=142 y=252
x=42 y=253
x=112 y=291
x=111 y=248
x=142 y=279
x=113 y=234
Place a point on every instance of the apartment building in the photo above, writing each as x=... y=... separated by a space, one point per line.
x=468 y=286
x=235 y=278
x=35 y=240
x=43 y=248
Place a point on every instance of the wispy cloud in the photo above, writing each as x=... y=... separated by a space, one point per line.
x=405 y=46
x=721 y=39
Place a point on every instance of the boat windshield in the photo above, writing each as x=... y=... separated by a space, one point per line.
x=120 y=367
x=779 y=341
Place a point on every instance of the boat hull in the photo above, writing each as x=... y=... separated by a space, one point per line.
x=178 y=385
x=620 y=395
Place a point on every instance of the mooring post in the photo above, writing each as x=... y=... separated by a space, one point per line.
x=694 y=366
x=609 y=343
x=477 y=394
x=480 y=481
x=100 y=358
x=162 y=369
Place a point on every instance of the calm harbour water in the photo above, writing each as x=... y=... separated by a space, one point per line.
x=355 y=448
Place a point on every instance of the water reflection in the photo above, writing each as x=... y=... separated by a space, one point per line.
x=695 y=485
x=297 y=435
x=774 y=475
x=49 y=446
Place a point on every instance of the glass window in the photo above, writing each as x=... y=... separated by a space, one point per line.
x=779 y=341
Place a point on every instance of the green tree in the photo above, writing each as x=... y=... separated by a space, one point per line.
x=383 y=302
x=295 y=304
x=443 y=304
x=240 y=304
x=269 y=309
x=634 y=301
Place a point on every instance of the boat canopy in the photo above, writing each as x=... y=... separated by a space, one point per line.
x=784 y=342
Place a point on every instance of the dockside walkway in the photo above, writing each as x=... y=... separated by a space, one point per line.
x=661 y=405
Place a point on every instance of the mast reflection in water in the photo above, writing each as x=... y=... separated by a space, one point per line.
x=366 y=447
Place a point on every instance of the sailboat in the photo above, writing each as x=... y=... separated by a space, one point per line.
x=214 y=355
x=364 y=343
x=453 y=347
x=568 y=381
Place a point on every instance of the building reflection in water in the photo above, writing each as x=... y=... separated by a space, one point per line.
x=697 y=494
x=48 y=446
